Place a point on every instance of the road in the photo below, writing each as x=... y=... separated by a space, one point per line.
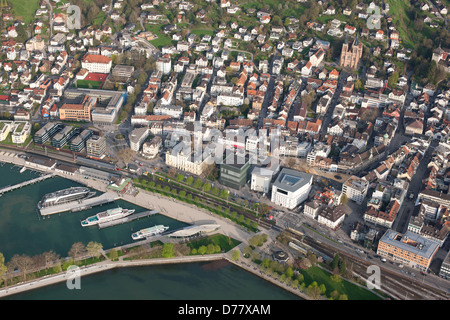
x=334 y=100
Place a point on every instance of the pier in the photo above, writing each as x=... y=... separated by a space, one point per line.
x=127 y=219
x=80 y=205
x=25 y=183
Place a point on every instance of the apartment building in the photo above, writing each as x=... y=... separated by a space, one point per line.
x=183 y=158
x=21 y=131
x=355 y=189
x=409 y=249
x=96 y=147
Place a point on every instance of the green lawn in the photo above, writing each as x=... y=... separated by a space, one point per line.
x=223 y=241
x=202 y=32
x=88 y=84
x=24 y=9
x=163 y=39
x=353 y=291
x=398 y=11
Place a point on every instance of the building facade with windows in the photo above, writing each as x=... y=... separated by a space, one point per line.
x=291 y=188
x=355 y=189
x=410 y=249
x=234 y=171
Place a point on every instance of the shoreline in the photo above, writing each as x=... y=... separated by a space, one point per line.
x=183 y=212
x=110 y=265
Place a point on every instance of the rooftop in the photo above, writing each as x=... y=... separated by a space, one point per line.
x=411 y=242
x=292 y=180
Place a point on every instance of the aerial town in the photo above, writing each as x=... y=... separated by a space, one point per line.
x=329 y=115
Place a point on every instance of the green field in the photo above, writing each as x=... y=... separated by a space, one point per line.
x=398 y=11
x=24 y=9
x=201 y=32
x=89 y=84
x=163 y=39
x=353 y=291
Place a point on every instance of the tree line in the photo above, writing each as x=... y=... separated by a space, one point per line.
x=22 y=266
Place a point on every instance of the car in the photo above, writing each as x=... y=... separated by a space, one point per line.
x=383 y=260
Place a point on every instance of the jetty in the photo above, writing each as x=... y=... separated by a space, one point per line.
x=127 y=219
x=80 y=205
x=25 y=183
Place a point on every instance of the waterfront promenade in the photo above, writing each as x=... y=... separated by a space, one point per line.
x=169 y=207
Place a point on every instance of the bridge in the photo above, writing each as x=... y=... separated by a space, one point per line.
x=25 y=183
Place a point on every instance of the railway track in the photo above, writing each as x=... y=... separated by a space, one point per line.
x=210 y=201
x=398 y=286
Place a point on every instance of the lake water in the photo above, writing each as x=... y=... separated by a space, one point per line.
x=24 y=231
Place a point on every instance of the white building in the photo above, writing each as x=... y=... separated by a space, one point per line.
x=5 y=129
x=331 y=217
x=164 y=64
x=22 y=130
x=96 y=63
x=183 y=158
x=355 y=189
x=262 y=177
x=137 y=137
x=312 y=209
x=151 y=149
x=291 y=188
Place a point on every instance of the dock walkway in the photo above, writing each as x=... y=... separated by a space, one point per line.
x=25 y=183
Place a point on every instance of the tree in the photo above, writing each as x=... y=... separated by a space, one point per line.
x=94 y=249
x=167 y=251
x=189 y=180
x=77 y=250
x=289 y=272
x=3 y=267
x=393 y=80
x=126 y=155
x=323 y=289
x=21 y=262
x=247 y=251
x=202 y=250
x=358 y=85
x=50 y=258
x=206 y=187
x=235 y=255
x=113 y=254
x=210 y=249
x=263 y=208
x=313 y=291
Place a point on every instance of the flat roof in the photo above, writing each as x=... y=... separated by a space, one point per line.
x=292 y=180
x=411 y=242
x=195 y=229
